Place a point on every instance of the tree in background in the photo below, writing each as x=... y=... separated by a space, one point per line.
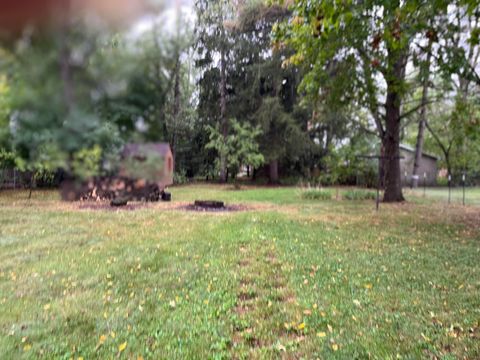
x=54 y=116
x=350 y=45
x=213 y=43
x=239 y=149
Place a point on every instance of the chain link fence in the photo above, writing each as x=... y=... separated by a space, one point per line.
x=459 y=188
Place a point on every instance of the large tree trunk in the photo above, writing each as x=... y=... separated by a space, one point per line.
x=421 y=124
x=393 y=184
x=223 y=114
x=273 y=171
x=176 y=108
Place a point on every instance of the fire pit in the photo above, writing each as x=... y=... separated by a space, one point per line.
x=212 y=206
x=209 y=204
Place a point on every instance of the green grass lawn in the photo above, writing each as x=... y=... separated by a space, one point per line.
x=472 y=194
x=286 y=278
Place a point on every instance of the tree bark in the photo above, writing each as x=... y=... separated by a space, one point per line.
x=273 y=171
x=422 y=122
x=393 y=185
x=176 y=108
x=223 y=114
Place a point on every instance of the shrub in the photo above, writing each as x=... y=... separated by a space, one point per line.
x=316 y=194
x=359 y=195
x=442 y=181
x=180 y=177
x=7 y=159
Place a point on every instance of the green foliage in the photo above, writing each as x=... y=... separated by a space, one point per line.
x=239 y=148
x=442 y=181
x=180 y=177
x=316 y=194
x=281 y=135
x=86 y=162
x=359 y=195
x=7 y=159
x=5 y=109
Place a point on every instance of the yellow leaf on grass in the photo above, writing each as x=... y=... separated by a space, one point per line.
x=321 y=334
x=334 y=347
x=330 y=328
x=112 y=334
x=46 y=307
x=426 y=338
x=301 y=326
x=140 y=357
x=102 y=339
x=368 y=286
x=122 y=347
x=27 y=347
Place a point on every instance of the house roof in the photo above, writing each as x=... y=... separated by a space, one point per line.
x=412 y=150
x=160 y=148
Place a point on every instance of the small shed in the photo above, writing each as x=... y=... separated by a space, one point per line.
x=151 y=162
x=428 y=166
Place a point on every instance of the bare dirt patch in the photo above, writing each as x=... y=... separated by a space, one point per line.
x=101 y=205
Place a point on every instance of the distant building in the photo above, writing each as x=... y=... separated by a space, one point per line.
x=158 y=161
x=428 y=167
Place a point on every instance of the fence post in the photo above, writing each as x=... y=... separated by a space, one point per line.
x=424 y=184
x=463 y=183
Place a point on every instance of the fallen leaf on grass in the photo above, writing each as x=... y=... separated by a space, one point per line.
x=122 y=347
x=321 y=334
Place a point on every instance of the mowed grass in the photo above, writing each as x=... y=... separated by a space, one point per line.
x=286 y=278
x=472 y=194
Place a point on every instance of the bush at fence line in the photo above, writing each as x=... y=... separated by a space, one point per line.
x=7 y=159
x=316 y=194
x=359 y=195
x=442 y=181
x=180 y=177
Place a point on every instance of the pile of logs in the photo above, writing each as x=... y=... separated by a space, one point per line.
x=110 y=188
